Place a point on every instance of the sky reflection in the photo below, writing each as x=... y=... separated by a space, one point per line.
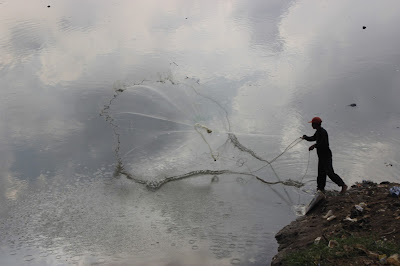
x=270 y=65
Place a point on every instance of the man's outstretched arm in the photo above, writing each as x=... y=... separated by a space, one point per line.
x=312 y=138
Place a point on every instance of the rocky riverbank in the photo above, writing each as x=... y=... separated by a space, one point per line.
x=361 y=227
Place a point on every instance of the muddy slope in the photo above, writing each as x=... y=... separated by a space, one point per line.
x=379 y=215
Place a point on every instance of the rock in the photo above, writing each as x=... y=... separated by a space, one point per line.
x=364 y=27
x=394 y=260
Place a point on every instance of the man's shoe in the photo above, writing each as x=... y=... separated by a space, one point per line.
x=344 y=189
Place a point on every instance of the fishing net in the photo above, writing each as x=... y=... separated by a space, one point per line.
x=167 y=130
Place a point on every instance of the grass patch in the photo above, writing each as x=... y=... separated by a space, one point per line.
x=347 y=249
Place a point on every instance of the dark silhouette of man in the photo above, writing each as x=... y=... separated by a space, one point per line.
x=324 y=156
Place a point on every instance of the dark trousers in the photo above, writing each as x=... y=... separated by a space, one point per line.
x=325 y=168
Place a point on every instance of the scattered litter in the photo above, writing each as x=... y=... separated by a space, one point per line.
x=362 y=204
x=383 y=259
x=329 y=213
x=330 y=218
x=394 y=191
x=394 y=259
x=333 y=243
x=317 y=240
x=350 y=219
x=359 y=208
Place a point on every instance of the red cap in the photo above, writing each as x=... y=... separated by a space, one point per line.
x=316 y=120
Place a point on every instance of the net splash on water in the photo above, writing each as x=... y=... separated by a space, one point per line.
x=167 y=131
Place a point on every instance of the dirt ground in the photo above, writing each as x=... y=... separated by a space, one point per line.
x=379 y=215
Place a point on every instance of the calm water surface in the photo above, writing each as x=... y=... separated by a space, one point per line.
x=199 y=93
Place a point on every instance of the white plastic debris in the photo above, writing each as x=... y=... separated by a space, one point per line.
x=359 y=208
x=350 y=219
x=330 y=218
x=329 y=213
x=362 y=204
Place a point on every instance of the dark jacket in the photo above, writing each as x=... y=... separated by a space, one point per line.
x=322 y=145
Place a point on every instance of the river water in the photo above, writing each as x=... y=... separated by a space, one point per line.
x=140 y=132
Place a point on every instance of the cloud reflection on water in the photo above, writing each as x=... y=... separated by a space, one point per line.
x=272 y=64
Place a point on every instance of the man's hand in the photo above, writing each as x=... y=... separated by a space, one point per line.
x=311 y=147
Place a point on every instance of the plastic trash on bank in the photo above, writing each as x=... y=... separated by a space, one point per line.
x=394 y=191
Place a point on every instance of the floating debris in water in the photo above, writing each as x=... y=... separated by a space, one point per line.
x=364 y=27
x=353 y=105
